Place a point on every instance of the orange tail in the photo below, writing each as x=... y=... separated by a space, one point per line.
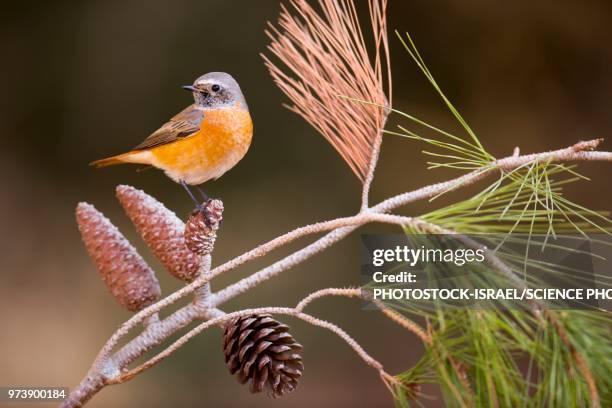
x=109 y=161
x=129 y=157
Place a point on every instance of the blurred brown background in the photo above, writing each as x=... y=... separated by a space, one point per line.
x=82 y=80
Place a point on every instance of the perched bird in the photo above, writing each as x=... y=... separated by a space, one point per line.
x=203 y=141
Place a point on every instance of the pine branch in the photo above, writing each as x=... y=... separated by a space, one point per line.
x=107 y=369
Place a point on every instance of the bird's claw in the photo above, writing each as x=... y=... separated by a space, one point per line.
x=203 y=208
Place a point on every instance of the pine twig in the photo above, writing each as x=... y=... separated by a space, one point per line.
x=376 y=212
x=220 y=320
x=581 y=363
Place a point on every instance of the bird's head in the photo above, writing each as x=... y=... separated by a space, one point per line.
x=216 y=90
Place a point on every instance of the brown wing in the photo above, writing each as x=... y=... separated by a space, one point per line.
x=184 y=124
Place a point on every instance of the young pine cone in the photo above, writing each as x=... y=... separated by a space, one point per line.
x=201 y=227
x=260 y=349
x=126 y=274
x=162 y=231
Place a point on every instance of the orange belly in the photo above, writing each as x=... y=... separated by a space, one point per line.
x=222 y=141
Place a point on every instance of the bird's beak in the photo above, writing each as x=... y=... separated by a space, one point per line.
x=189 y=88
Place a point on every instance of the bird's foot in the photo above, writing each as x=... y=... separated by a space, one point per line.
x=204 y=209
x=201 y=207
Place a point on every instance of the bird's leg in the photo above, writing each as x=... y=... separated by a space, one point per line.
x=202 y=193
x=202 y=207
x=186 y=187
x=206 y=199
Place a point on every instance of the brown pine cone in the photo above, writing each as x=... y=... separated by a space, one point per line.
x=260 y=349
x=201 y=227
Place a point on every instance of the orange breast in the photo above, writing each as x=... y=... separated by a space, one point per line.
x=223 y=139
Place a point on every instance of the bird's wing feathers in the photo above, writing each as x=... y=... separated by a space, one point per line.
x=182 y=125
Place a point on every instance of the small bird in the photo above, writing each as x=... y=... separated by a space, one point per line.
x=203 y=141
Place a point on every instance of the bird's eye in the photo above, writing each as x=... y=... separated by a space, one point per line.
x=215 y=88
